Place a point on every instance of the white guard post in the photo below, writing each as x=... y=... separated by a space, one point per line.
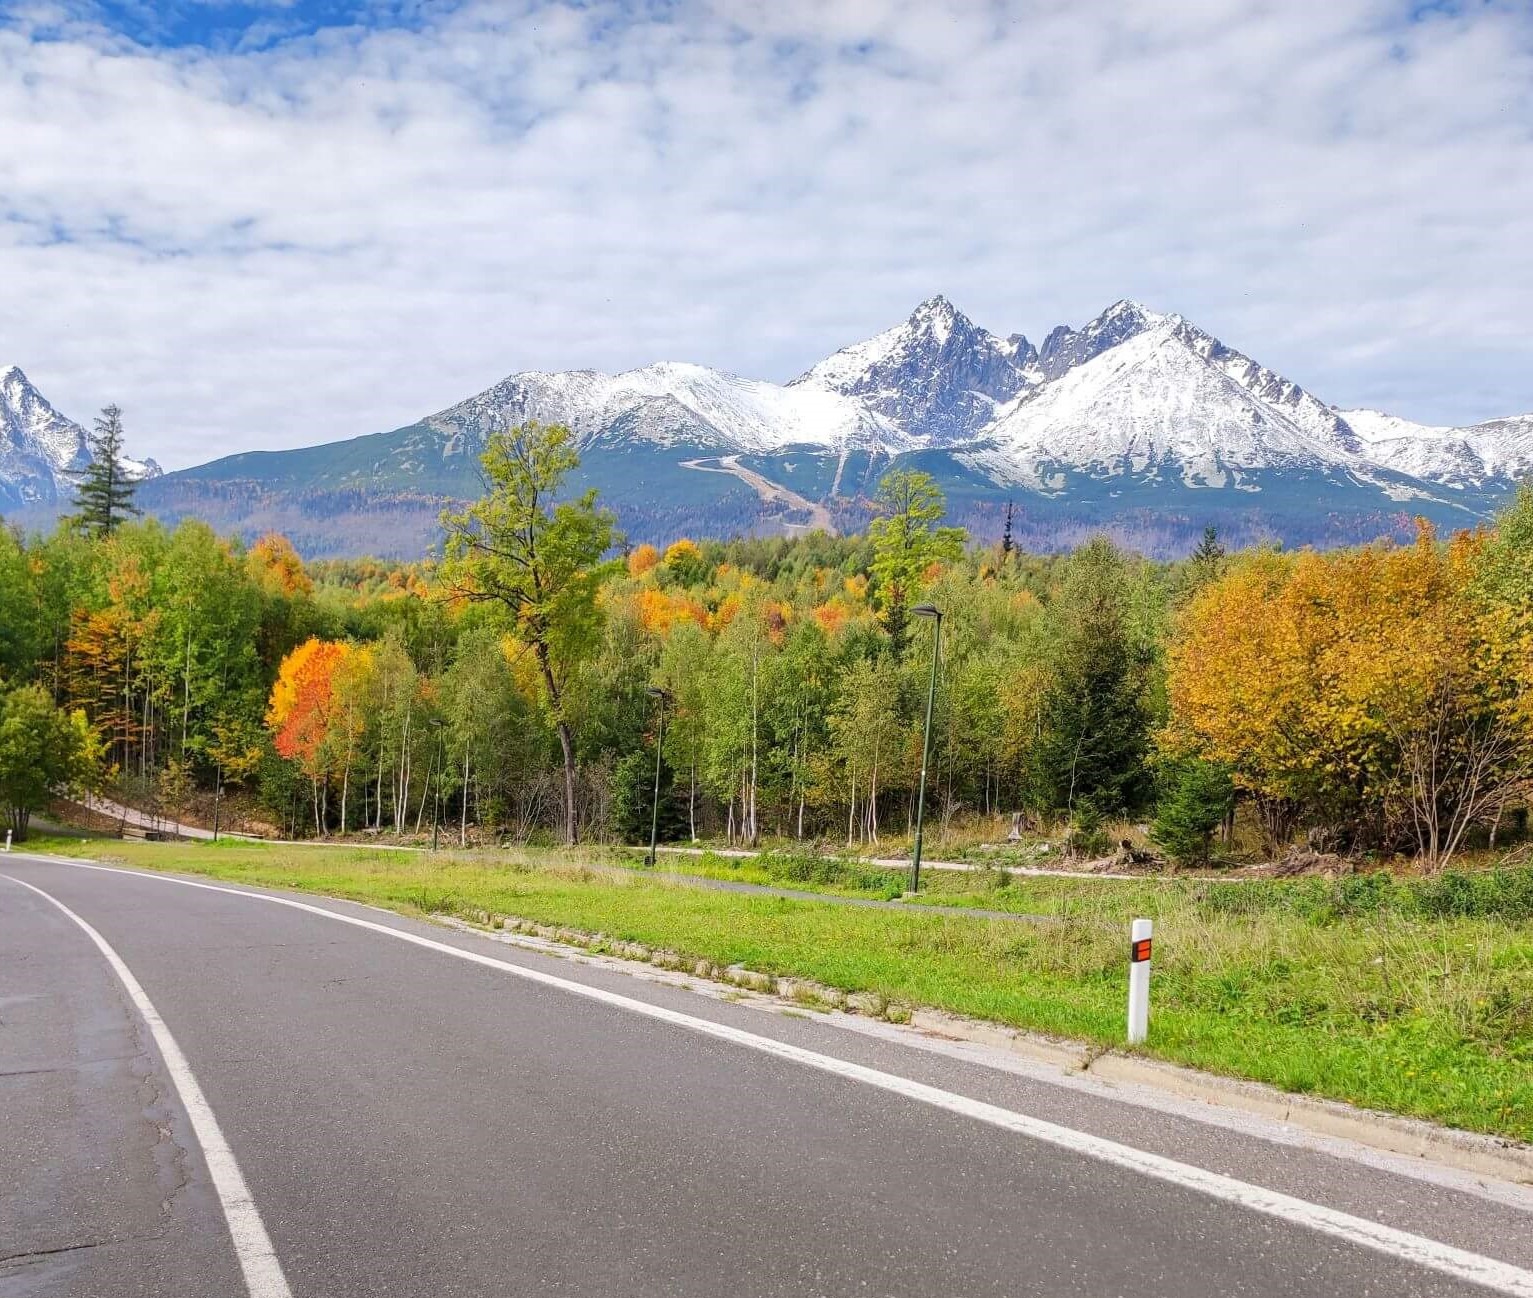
x=1139 y=981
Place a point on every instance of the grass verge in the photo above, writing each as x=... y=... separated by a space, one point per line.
x=1413 y=998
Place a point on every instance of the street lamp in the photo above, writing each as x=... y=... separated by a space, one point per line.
x=933 y=612
x=662 y=697
x=438 y=725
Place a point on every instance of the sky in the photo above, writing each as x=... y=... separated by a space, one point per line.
x=257 y=225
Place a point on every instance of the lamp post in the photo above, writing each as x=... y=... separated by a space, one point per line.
x=933 y=612
x=662 y=697
x=438 y=725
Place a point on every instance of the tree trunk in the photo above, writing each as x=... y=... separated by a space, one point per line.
x=567 y=746
x=420 y=813
x=463 y=821
x=566 y=743
x=851 y=810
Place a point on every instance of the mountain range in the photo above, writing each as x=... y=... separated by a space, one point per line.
x=1139 y=422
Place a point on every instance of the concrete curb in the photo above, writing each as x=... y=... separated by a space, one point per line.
x=1491 y=1157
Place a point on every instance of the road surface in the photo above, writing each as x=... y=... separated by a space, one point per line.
x=315 y=1098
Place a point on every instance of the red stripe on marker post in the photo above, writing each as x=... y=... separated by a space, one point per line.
x=1139 y=950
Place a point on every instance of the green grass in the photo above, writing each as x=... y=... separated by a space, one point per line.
x=1409 y=996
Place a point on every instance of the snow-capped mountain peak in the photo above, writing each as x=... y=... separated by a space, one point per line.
x=938 y=376
x=39 y=448
x=41 y=452
x=27 y=418
x=1134 y=393
x=672 y=403
x=1065 y=348
x=1498 y=449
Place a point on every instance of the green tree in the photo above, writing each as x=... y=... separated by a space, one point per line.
x=1196 y=798
x=866 y=730
x=538 y=562
x=906 y=542
x=1095 y=721
x=43 y=751
x=495 y=738
x=104 y=493
x=686 y=670
x=633 y=799
x=1206 y=562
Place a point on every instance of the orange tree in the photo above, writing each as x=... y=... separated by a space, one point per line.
x=303 y=711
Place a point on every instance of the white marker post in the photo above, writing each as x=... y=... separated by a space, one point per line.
x=7 y=840
x=1139 y=981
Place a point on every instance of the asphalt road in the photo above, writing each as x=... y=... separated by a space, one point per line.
x=411 y=1123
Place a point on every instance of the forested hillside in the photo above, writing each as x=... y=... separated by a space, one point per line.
x=1373 y=700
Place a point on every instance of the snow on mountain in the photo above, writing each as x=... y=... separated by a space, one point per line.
x=938 y=376
x=42 y=452
x=39 y=448
x=1497 y=450
x=1133 y=392
x=673 y=403
x=1065 y=348
x=1163 y=401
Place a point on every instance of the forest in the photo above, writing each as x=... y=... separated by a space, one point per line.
x=1374 y=701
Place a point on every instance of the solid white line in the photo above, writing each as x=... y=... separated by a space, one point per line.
x=1444 y=1258
x=252 y=1245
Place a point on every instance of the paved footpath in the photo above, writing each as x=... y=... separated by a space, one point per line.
x=223 y=1091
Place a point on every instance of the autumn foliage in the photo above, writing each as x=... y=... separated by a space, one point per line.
x=1373 y=690
x=303 y=697
x=278 y=567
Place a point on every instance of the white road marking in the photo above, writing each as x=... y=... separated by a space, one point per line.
x=252 y=1245
x=1502 y=1277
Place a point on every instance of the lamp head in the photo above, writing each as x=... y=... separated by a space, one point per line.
x=656 y=692
x=927 y=610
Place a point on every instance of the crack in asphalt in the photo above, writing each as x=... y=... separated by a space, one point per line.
x=38 y=1254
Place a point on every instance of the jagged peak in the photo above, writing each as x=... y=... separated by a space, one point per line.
x=1127 y=310
x=939 y=317
x=937 y=305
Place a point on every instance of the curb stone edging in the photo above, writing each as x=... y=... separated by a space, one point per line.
x=1481 y=1155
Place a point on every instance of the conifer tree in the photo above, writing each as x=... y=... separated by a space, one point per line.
x=104 y=493
x=1207 y=561
x=1094 y=729
x=1196 y=797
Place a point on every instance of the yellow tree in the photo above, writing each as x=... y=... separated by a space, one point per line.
x=1364 y=689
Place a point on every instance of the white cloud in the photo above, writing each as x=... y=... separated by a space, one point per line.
x=321 y=236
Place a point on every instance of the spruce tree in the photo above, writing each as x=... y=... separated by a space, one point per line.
x=1095 y=721
x=1196 y=797
x=104 y=493
x=1207 y=561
